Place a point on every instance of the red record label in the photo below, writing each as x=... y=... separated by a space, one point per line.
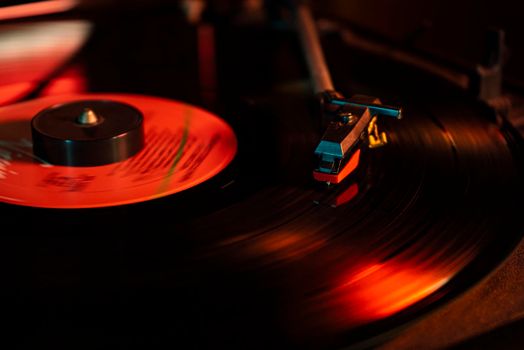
x=184 y=146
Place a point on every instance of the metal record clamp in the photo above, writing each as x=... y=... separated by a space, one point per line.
x=349 y=121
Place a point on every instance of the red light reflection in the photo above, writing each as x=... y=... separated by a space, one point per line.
x=71 y=81
x=373 y=291
x=381 y=290
x=347 y=196
x=36 y=9
x=364 y=290
x=11 y=93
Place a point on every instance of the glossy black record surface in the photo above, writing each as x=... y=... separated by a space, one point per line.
x=262 y=256
x=421 y=220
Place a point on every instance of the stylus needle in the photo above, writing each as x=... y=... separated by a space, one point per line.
x=348 y=120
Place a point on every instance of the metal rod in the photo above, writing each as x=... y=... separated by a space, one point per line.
x=376 y=109
x=313 y=50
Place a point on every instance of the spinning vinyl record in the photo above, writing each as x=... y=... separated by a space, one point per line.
x=199 y=240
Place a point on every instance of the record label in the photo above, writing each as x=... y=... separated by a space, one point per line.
x=184 y=146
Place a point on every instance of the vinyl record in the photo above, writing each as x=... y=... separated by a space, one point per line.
x=184 y=146
x=265 y=258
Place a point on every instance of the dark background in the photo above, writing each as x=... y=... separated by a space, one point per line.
x=447 y=29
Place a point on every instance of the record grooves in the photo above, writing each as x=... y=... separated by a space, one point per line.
x=248 y=251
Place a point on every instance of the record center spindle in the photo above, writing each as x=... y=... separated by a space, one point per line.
x=88 y=118
x=87 y=133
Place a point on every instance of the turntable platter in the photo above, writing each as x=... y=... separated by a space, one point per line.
x=259 y=255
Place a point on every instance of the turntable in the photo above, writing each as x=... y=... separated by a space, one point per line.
x=254 y=175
